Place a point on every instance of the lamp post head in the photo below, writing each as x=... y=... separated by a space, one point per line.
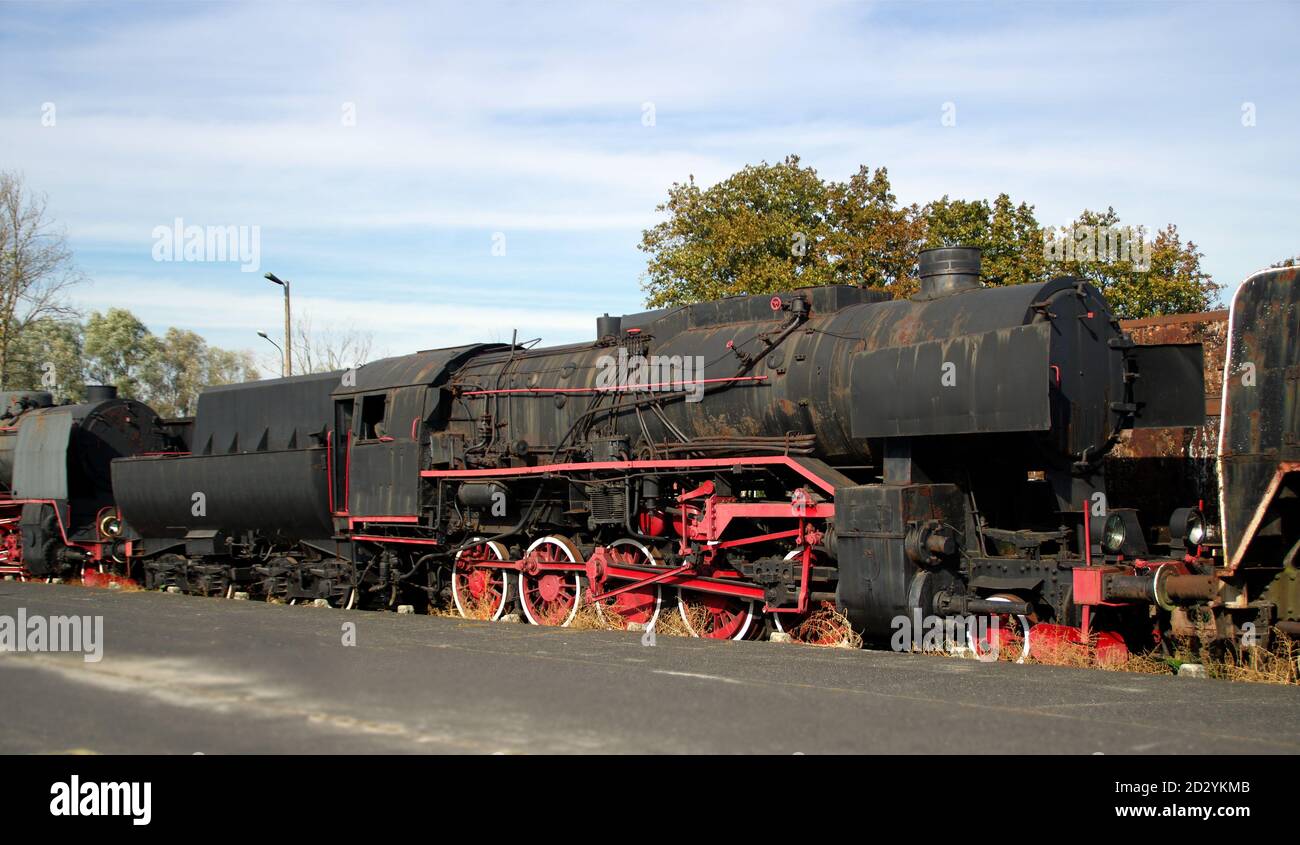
x=271 y=277
x=263 y=335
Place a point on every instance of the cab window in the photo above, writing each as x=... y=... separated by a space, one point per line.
x=373 y=409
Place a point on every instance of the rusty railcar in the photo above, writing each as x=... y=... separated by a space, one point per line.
x=1158 y=469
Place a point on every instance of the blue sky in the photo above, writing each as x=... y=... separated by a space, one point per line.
x=527 y=120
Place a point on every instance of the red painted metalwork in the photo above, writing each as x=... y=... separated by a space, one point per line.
x=548 y=596
x=761 y=538
x=375 y=538
x=664 y=385
x=402 y=519
x=701 y=524
x=347 y=470
x=329 y=467
x=1087 y=585
x=94 y=549
x=637 y=602
x=479 y=592
x=595 y=466
x=1046 y=637
x=1087 y=561
x=719 y=516
x=725 y=617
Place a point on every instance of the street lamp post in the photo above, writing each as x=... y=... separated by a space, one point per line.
x=288 y=331
x=266 y=337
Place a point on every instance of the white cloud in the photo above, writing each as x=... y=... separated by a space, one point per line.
x=527 y=119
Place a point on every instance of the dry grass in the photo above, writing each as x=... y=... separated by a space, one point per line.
x=588 y=618
x=482 y=608
x=828 y=628
x=1080 y=656
x=671 y=624
x=1280 y=665
x=675 y=626
x=1276 y=665
x=107 y=582
x=447 y=609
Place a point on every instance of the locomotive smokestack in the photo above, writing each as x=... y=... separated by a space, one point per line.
x=607 y=326
x=100 y=393
x=948 y=270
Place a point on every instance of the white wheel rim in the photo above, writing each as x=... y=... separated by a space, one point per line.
x=577 y=582
x=744 y=629
x=498 y=552
x=659 y=594
x=1024 y=626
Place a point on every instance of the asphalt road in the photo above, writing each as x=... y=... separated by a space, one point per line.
x=184 y=675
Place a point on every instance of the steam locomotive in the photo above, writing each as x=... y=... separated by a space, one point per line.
x=745 y=462
x=58 y=516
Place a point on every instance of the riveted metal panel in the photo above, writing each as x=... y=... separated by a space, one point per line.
x=990 y=382
x=1259 y=445
x=41 y=457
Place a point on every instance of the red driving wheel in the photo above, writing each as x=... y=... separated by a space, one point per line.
x=480 y=592
x=639 y=604
x=549 y=596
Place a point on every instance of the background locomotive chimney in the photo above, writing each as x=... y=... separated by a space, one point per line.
x=100 y=393
x=948 y=270
x=607 y=326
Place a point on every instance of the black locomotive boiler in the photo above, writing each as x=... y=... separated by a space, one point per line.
x=740 y=463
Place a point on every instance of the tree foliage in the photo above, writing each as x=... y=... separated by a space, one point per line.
x=114 y=347
x=36 y=266
x=48 y=356
x=775 y=227
x=1008 y=235
x=45 y=346
x=119 y=349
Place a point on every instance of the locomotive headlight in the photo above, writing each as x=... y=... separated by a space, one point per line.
x=1187 y=526
x=1114 y=534
x=110 y=526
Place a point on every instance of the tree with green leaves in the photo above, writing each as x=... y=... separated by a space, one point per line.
x=874 y=240
x=121 y=350
x=116 y=347
x=769 y=228
x=1008 y=235
x=166 y=372
x=774 y=227
x=185 y=365
x=47 y=355
x=1140 y=275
